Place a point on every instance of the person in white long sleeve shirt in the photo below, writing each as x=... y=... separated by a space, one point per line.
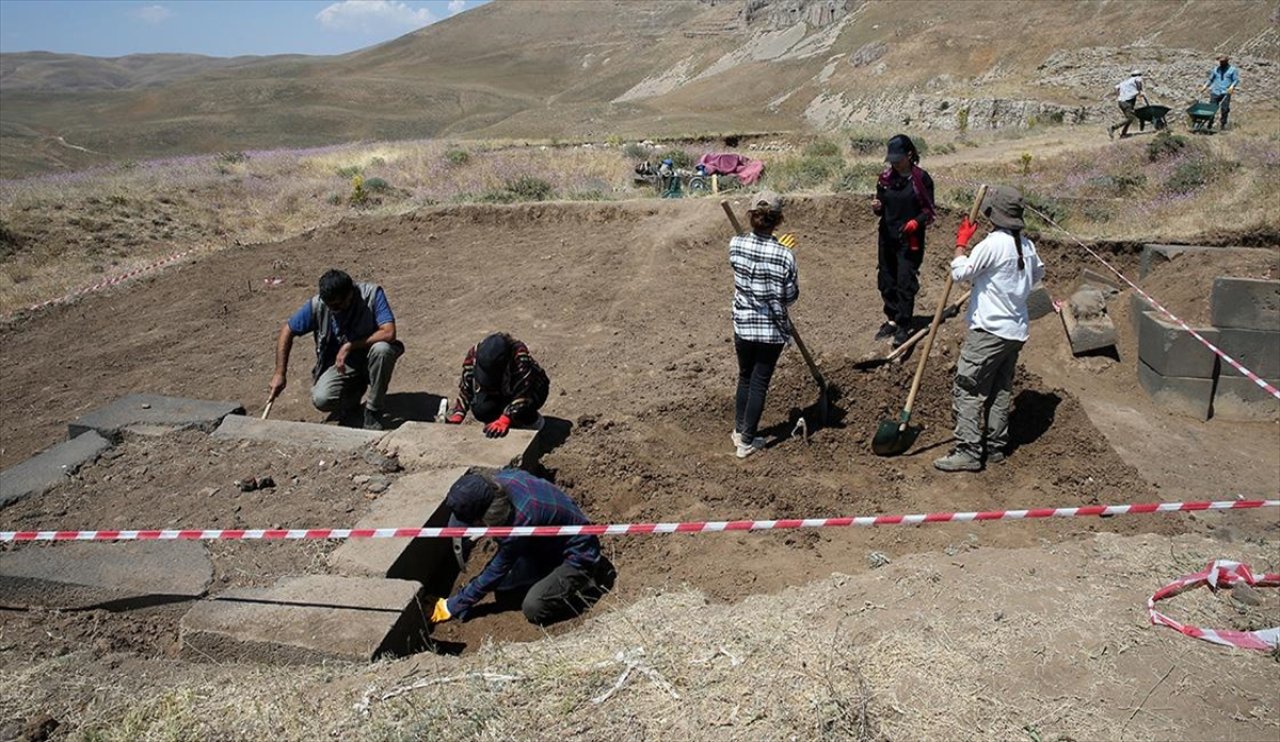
x=1002 y=268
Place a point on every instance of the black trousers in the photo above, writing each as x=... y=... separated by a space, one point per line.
x=898 y=278
x=756 y=362
x=487 y=407
x=562 y=593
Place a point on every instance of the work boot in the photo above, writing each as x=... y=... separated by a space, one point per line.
x=886 y=330
x=736 y=437
x=958 y=460
x=373 y=420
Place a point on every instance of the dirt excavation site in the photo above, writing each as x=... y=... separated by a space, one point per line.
x=1032 y=630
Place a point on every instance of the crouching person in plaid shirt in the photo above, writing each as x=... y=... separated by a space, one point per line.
x=765 y=283
x=550 y=578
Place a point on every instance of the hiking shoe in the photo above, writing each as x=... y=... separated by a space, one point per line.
x=744 y=451
x=736 y=437
x=373 y=420
x=901 y=336
x=886 y=330
x=957 y=461
x=996 y=457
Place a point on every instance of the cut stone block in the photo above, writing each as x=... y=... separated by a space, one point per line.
x=1258 y=350
x=1088 y=302
x=1090 y=334
x=1153 y=256
x=1245 y=304
x=1039 y=302
x=311 y=435
x=1238 y=398
x=1109 y=284
x=1138 y=305
x=436 y=446
x=147 y=412
x=113 y=576
x=412 y=501
x=49 y=467
x=308 y=619
x=1193 y=397
x=1171 y=351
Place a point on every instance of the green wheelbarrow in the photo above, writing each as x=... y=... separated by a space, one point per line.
x=1200 y=116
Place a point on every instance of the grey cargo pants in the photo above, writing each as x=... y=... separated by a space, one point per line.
x=365 y=369
x=983 y=391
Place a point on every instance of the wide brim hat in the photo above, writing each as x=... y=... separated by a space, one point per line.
x=1003 y=206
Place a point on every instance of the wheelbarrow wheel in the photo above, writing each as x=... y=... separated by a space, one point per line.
x=699 y=184
x=1160 y=123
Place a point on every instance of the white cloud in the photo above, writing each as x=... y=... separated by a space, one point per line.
x=457 y=6
x=153 y=13
x=369 y=16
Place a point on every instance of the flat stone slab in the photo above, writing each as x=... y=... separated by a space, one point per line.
x=1039 y=302
x=116 y=576
x=413 y=501
x=149 y=412
x=1245 y=304
x=49 y=467
x=438 y=446
x=310 y=435
x=1171 y=351
x=1088 y=335
x=304 y=620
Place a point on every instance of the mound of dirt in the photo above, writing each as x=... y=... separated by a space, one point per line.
x=1184 y=285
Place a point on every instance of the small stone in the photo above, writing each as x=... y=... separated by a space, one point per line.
x=146 y=405
x=999 y=616
x=877 y=559
x=360 y=478
x=1245 y=594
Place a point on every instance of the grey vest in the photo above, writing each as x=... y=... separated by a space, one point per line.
x=360 y=324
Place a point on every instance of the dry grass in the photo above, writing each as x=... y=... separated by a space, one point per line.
x=1025 y=644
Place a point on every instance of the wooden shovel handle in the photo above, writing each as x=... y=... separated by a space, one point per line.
x=733 y=218
x=937 y=317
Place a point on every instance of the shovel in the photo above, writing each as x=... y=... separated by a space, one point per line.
x=896 y=436
x=823 y=405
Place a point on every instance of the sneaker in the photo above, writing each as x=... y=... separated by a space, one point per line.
x=957 y=460
x=886 y=330
x=373 y=420
x=736 y=437
x=996 y=457
x=744 y=451
x=901 y=336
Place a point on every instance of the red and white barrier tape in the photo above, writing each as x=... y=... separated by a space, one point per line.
x=1220 y=573
x=111 y=281
x=1251 y=376
x=621 y=529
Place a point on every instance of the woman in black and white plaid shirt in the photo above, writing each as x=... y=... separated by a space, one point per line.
x=765 y=283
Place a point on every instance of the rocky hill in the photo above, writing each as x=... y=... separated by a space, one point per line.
x=557 y=68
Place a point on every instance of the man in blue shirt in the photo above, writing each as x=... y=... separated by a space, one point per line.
x=553 y=577
x=356 y=346
x=1222 y=82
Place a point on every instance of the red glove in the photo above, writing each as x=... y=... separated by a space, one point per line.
x=965 y=232
x=910 y=227
x=455 y=419
x=497 y=428
x=913 y=241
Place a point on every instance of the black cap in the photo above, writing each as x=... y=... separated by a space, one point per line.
x=491 y=361
x=468 y=499
x=897 y=151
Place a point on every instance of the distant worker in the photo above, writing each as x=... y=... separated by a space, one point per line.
x=356 y=347
x=550 y=578
x=765 y=283
x=1127 y=92
x=502 y=385
x=1002 y=268
x=1223 y=80
x=904 y=203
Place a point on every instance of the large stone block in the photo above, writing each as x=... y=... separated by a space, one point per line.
x=1257 y=350
x=412 y=501
x=308 y=619
x=311 y=435
x=1245 y=304
x=1086 y=335
x=1039 y=302
x=114 y=576
x=1193 y=397
x=1171 y=351
x=435 y=446
x=1138 y=305
x=49 y=467
x=152 y=412
x=1238 y=398
x=1108 y=282
x=1153 y=256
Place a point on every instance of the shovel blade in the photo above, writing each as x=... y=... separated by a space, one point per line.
x=893 y=438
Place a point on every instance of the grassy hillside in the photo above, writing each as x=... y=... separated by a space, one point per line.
x=555 y=68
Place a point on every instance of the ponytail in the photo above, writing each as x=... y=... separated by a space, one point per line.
x=1017 y=243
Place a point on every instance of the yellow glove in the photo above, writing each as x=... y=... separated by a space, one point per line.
x=441 y=613
x=788 y=241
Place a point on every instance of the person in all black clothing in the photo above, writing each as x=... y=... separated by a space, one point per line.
x=502 y=385
x=904 y=203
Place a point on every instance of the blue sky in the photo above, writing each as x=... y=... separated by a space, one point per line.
x=223 y=28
